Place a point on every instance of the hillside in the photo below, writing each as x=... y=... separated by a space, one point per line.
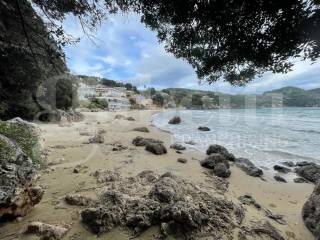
x=286 y=97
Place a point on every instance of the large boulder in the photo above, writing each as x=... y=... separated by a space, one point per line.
x=27 y=135
x=311 y=212
x=215 y=148
x=156 y=148
x=175 y=120
x=214 y=159
x=310 y=172
x=18 y=192
x=248 y=167
x=218 y=163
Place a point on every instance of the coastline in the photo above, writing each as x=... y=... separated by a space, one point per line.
x=282 y=198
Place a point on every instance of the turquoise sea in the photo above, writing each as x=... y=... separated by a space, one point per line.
x=265 y=136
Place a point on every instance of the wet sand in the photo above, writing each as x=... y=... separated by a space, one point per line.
x=59 y=180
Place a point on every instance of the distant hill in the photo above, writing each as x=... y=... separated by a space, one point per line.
x=286 y=97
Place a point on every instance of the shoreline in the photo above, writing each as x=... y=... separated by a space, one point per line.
x=282 y=198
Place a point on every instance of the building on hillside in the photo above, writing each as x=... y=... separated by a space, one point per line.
x=115 y=96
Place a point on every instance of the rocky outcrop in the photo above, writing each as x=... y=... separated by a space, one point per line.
x=178 y=147
x=181 y=209
x=156 y=148
x=309 y=171
x=300 y=180
x=141 y=141
x=175 y=120
x=47 y=231
x=248 y=167
x=218 y=163
x=311 y=212
x=18 y=190
x=215 y=148
x=141 y=129
x=205 y=129
x=27 y=135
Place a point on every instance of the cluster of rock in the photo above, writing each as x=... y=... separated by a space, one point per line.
x=177 y=206
x=219 y=158
x=152 y=145
x=120 y=117
x=20 y=151
x=308 y=171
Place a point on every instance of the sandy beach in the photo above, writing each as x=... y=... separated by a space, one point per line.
x=66 y=149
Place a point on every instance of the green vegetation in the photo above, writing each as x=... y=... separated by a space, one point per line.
x=196 y=99
x=95 y=104
x=89 y=80
x=30 y=61
x=25 y=135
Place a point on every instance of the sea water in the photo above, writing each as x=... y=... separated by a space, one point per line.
x=265 y=136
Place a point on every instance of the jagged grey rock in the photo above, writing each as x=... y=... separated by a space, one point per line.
x=18 y=190
x=310 y=171
x=311 y=211
x=248 y=167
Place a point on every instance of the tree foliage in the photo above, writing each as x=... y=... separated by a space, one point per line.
x=233 y=40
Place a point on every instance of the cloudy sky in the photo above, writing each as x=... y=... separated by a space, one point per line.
x=125 y=50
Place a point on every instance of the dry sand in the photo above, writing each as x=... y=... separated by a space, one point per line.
x=68 y=144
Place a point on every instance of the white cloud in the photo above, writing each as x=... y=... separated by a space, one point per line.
x=129 y=52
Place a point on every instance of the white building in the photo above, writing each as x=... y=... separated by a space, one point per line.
x=115 y=96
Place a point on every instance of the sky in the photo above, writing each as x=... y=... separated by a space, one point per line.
x=125 y=50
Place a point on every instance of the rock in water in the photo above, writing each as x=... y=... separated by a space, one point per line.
x=248 y=167
x=175 y=120
x=156 y=148
x=215 y=148
x=311 y=212
x=27 y=135
x=310 y=172
x=205 y=129
x=141 y=129
x=47 y=231
x=178 y=147
x=281 y=169
x=18 y=193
